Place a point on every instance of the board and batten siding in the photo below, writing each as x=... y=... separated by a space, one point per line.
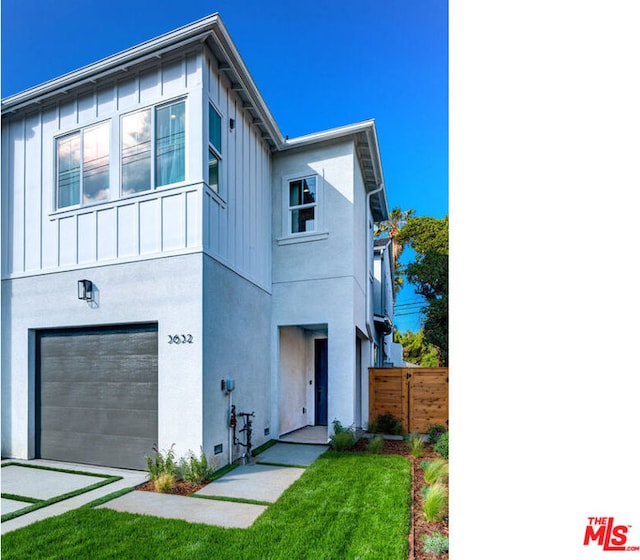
x=233 y=227
x=237 y=222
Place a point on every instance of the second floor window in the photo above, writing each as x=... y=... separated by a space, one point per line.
x=82 y=166
x=302 y=205
x=153 y=148
x=215 y=148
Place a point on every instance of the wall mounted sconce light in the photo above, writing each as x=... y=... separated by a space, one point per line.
x=232 y=124
x=85 y=290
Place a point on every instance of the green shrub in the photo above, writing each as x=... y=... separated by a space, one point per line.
x=387 y=423
x=164 y=482
x=375 y=445
x=342 y=438
x=435 y=431
x=436 y=543
x=442 y=447
x=372 y=427
x=435 y=471
x=434 y=504
x=415 y=442
x=160 y=463
x=197 y=469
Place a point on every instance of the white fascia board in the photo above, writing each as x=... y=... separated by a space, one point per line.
x=327 y=135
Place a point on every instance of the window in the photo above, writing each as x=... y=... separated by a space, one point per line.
x=147 y=163
x=215 y=148
x=302 y=205
x=82 y=166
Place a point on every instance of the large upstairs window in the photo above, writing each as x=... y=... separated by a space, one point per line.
x=303 y=205
x=153 y=148
x=82 y=166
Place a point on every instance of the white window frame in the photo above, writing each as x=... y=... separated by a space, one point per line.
x=212 y=150
x=81 y=131
x=289 y=209
x=152 y=181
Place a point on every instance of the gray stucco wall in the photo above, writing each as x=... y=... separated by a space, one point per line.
x=236 y=344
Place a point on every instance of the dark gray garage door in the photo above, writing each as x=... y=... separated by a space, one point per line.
x=97 y=395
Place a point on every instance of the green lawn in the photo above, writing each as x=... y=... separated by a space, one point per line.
x=347 y=505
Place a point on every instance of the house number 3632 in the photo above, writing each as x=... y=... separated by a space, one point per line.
x=180 y=339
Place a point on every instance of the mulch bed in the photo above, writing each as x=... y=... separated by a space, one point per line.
x=419 y=525
x=181 y=488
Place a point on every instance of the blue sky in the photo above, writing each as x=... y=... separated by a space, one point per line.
x=317 y=64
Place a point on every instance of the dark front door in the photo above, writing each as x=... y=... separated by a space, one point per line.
x=322 y=381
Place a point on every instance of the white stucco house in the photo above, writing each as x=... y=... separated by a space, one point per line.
x=161 y=236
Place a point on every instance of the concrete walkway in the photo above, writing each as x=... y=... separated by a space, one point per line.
x=44 y=484
x=263 y=480
x=254 y=481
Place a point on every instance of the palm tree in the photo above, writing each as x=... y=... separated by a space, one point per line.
x=390 y=228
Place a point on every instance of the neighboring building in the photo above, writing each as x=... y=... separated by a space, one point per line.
x=386 y=352
x=214 y=248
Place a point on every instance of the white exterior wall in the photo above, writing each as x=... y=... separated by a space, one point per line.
x=38 y=237
x=296 y=365
x=238 y=219
x=319 y=278
x=126 y=293
x=183 y=217
x=236 y=321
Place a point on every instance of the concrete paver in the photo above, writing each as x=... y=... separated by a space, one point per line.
x=42 y=484
x=292 y=454
x=129 y=478
x=194 y=510
x=254 y=482
x=9 y=506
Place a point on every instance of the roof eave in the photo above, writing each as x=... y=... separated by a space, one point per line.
x=368 y=152
x=210 y=27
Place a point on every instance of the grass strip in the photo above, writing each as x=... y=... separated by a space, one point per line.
x=20 y=498
x=224 y=470
x=344 y=505
x=55 y=469
x=109 y=497
x=281 y=464
x=56 y=499
x=263 y=447
x=231 y=499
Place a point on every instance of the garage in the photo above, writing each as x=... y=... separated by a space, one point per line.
x=97 y=394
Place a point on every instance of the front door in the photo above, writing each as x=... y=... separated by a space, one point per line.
x=322 y=380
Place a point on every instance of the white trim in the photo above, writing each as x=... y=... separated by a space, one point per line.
x=210 y=148
x=287 y=208
x=303 y=237
x=330 y=134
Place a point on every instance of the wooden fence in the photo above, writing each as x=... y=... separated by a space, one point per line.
x=416 y=396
